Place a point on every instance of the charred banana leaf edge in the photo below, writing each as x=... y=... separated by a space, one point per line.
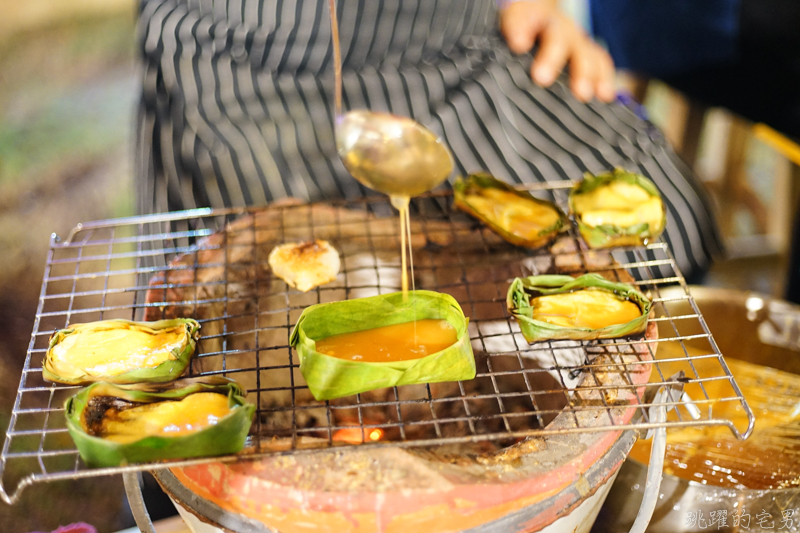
x=225 y=437
x=474 y=183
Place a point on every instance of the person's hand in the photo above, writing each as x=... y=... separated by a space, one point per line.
x=561 y=41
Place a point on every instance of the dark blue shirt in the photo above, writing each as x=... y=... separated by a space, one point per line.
x=666 y=37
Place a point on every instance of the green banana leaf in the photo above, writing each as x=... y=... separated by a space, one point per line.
x=227 y=436
x=176 y=360
x=475 y=183
x=331 y=377
x=607 y=235
x=523 y=290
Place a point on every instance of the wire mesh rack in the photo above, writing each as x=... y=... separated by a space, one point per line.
x=212 y=265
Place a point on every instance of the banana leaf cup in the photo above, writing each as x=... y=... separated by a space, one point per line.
x=104 y=420
x=589 y=293
x=121 y=351
x=617 y=208
x=517 y=216
x=330 y=377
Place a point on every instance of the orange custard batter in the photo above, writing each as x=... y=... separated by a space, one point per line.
x=398 y=342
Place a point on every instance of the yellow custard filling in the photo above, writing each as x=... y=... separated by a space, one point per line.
x=398 y=342
x=620 y=204
x=116 y=350
x=522 y=218
x=166 y=419
x=588 y=308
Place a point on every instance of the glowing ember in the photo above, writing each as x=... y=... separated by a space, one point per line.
x=355 y=435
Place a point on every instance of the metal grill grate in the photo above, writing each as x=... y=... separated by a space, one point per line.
x=212 y=265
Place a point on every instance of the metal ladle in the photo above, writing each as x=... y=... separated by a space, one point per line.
x=390 y=154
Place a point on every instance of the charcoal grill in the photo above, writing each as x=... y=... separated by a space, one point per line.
x=125 y=268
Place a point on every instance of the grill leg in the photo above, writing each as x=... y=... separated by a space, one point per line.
x=133 y=489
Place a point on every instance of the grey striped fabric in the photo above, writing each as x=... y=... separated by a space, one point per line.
x=237 y=106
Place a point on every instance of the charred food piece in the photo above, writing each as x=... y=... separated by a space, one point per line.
x=617 y=208
x=116 y=425
x=305 y=265
x=121 y=351
x=516 y=216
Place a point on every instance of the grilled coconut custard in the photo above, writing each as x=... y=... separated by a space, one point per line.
x=514 y=215
x=590 y=308
x=550 y=307
x=121 y=421
x=617 y=208
x=121 y=351
x=121 y=424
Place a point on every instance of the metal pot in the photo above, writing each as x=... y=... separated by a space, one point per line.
x=749 y=327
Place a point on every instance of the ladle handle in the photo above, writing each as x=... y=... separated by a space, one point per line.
x=337 y=62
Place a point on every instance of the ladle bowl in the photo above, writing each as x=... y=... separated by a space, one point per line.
x=391 y=154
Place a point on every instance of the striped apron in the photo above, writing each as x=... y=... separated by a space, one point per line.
x=237 y=106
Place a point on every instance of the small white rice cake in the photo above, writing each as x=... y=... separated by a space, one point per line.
x=305 y=265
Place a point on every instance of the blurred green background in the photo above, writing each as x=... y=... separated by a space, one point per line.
x=68 y=95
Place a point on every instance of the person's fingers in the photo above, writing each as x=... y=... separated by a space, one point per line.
x=556 y=45
x=606 y=90
x=582 y=70
x=522 y=22
x=561 y=41
x=592 y=72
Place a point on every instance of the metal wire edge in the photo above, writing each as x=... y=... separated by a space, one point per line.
x=105 y=471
